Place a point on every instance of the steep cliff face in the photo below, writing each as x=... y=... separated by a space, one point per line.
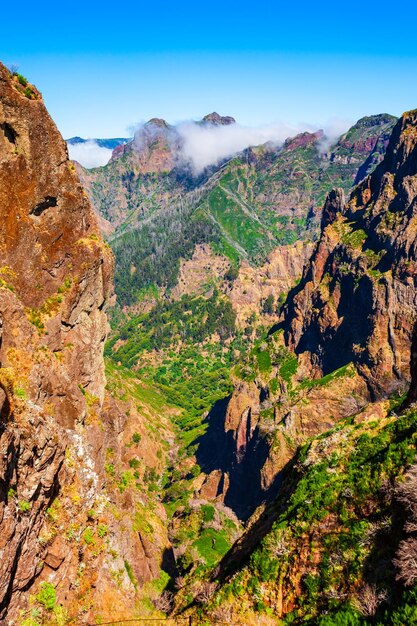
x=337 y=544
x=56 y=273
x=55 y=276
x=65 y=441
x=356 y=301
x=349 y=323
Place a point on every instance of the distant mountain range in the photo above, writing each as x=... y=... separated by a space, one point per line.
x=246 y=453
x=156 y=209
x=103 y=143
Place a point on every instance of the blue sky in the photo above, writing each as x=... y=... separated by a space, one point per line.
x=103 y=68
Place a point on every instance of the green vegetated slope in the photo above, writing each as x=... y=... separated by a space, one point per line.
x=186 y=348
x=149 y=475
x=258 y=200
x=150 y=256
x=190 y=349
x=191 y=353
x=325 y=551
x=181 y=384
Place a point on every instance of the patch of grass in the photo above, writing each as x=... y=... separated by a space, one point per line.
x=211 y=545
x=130 y=574
x=88 y=536
x=289 y=368
x=24 y=506
x=47 y=596
x=344 y=371
x=264 y=361
x=354 y=237
x=208 y=512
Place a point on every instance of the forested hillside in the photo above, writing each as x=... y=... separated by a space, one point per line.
x=259 y=200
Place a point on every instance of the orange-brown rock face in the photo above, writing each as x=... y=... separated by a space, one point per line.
x=356 y=301
x=55 y=277
x=282 y=268
x=65 y=442
x=55 y=271
x=349 y=321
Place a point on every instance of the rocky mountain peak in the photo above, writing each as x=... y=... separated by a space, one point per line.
x=370 y=121
x=402 y=147
x=333 y=206
x=302 y=140
x=157 y=122
x=218 y=120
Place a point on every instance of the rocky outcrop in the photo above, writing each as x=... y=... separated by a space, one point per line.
x=64 y=439
x=356 y=301
x=282 y=268
x=197 y=274
x=218 y=120
x=55 y=277
x=152 y=148
x=232 y=452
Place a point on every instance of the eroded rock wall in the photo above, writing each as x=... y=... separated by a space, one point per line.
x=59 y=427
x=357 y=299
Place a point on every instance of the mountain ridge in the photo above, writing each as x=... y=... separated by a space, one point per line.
x=353 y=476
x=246 y=450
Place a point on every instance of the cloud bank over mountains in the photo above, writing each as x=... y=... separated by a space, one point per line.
x=89 y=153
x=199 y=145
x=208 y=144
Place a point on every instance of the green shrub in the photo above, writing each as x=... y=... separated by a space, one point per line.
x=47 y=596
x=268 y=305
x=232 y=273
x=195 y=471
x=102 y=530
x=88 y=536
x=109 y=469
x=24 y=506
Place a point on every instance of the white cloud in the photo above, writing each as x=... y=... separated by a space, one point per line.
x=202 y=145
x=207 y=144
x=333 y=130
x=89 y=154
